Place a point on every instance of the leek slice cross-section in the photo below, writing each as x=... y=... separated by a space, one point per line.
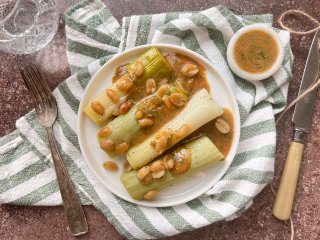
x=199 y=110
x=203 y=152
x=155 y=65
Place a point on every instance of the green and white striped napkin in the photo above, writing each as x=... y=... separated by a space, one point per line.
x=94 y=36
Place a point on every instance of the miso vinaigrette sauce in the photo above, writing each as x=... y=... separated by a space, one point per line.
x=256 y=51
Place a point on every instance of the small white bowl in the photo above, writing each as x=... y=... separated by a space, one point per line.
x=247 y=75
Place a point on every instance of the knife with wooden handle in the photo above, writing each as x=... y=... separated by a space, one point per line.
x=301 y=118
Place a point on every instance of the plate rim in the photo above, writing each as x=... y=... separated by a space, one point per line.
x=237 y=124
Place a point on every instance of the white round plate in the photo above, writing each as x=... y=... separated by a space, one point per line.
x=189 y=187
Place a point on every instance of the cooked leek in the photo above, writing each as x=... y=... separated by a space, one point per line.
x=203 y=152
x=155 y=65
x=125 y=127
x=108 y=105
x=198 y=111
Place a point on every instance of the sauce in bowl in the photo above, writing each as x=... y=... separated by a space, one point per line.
x=255 y=51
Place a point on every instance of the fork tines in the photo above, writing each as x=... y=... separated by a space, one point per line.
x=37 y=85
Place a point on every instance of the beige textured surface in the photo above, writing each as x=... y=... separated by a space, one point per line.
x=26 y=223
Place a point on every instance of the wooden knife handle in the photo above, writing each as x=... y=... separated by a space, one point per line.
x=285 y=195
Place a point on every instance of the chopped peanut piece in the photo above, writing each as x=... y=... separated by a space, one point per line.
x=110 y=166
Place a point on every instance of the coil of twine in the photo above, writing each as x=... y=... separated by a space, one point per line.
x=316 y=84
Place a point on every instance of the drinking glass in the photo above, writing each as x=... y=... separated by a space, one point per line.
x=27 y=26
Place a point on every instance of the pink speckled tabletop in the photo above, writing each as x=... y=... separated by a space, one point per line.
x=19 y=222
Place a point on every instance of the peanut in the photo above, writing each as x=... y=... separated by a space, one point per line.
x=166 y=100
x=189 y=69
x=186 y=154
x=124 y=84
x=163 y=90
x=145 y=122
x=113 y=95
x=138 y=114
x=107 y=144
x=157 y=166
x=222 y=126
x=161 y=144
x=158 y=174
x=150 y=195
x=124 y=107
x=168 y=162
x=122 y=147
x=111 y=166
x=151 y=86
x=178 y=99
x=183 y=131
x=97 y=107
x=142 y=172
x=104 y=132
x=138 y=68
x=152 y=102
x=182 y=162
x=147 y=179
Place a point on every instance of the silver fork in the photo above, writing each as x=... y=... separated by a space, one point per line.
x=46 y=112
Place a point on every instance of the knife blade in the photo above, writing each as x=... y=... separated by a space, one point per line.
x=303 y=110
x=302 y=119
